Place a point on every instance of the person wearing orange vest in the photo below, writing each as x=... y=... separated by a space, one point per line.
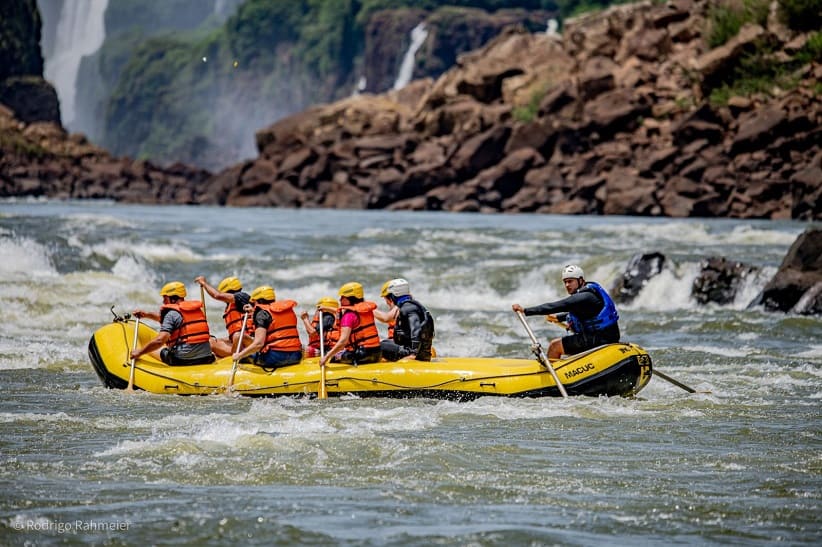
x=327 y=308
x=359 y=342
x=183 y=330
x=230 y=291
x=276 y=341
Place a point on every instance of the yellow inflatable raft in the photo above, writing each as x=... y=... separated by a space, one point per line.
x=615 y=369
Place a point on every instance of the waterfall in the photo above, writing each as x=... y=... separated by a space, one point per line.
x=418 y=36
x=80 y=31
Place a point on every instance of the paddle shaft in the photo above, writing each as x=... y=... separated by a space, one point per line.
x=239 y=347
x=322 y=392
x=202 y=298
x=133 y=360
x=541 y=355
x=674 y=382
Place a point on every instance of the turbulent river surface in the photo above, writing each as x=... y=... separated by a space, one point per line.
x=738 y=464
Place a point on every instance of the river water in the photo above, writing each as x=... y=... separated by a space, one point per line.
x=737 y=465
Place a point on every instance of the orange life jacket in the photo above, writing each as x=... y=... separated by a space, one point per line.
x=366 y=334
x=331 y=335
x=282 y=333
x=195 y=325
x=233 y=319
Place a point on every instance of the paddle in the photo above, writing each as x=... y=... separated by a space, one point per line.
x=133 y=360
x=202 y=298
x=322 y=393
x=537 y=349
x=655 y=371
x=239 y=347
x=676 y=383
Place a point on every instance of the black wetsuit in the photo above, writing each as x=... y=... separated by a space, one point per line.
x=585 y=304
x=413 y=333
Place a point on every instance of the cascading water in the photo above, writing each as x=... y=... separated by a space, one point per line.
x=418 y=36
x=80 y=31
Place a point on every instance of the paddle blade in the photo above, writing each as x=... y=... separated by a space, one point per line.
x=322 y=392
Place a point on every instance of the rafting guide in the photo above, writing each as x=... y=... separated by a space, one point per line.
x=590 y=314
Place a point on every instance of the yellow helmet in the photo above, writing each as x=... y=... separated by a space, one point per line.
x=352 y=288
x=175 y=288
x=230 y=284
x=384 y=289
x=264 y=293
x=328 y=302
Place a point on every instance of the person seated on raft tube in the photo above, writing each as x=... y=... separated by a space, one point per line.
x=183 y=330
x=230 y=291
x=414 y=326
x=276 y=341
x=327 y=307
x=590 y=312
x=359 y=342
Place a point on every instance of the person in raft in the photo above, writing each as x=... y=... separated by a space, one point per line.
x=359 y=342
x=590 y=312
x=413 y=330
x=183 y=330
x=276 y=342
x=230 y=291
x=327 y=308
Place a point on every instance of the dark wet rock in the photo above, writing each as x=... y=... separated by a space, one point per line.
x=719 y=280
x=640 y=270
x=794 y=287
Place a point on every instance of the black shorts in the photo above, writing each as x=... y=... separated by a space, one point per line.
x=170 y=358
x=577 y=343
x=361 y=356
x=391 y=351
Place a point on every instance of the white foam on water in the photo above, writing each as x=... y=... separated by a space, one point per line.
x=24 y=259
x=742 y=351
x=667 y=291
x=84 y=221
x=11 y=417
x=751 y=286
x=731 y=466
x=299 y=271
x=680 y=232
x=815 y=351
x=750 y=235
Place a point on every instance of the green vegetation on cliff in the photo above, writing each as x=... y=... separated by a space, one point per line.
x=271 y=58
x=760 y=70
x=20 y=39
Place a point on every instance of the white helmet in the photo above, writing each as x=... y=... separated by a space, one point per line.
x=572 y=271
x=396 y=287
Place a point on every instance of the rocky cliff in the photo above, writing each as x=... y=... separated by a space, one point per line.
x=38 y=157
x=611 y=118
x=22 y=86
x=620 y=124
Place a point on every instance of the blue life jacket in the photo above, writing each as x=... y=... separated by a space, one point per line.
x=606 y=317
